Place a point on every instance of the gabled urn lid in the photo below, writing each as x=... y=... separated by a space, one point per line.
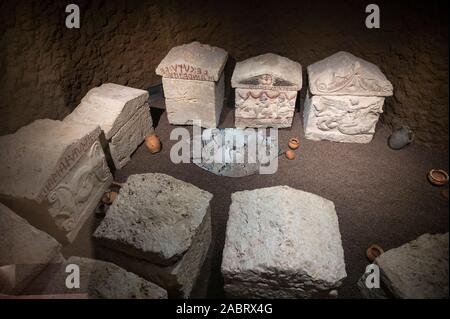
x=268 y=71
x=345 y=74
x=38 y=156
x=193 y=61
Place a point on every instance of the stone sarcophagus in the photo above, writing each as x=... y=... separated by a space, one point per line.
x=121 y=112
x=266 y=90
x=345 y=99
x=53 y=174
x=193 y=83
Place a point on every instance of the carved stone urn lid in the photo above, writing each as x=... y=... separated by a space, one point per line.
x=345 y=74
x=268 y=71
x=193 y=61
x=39 y=155
x=110 y=106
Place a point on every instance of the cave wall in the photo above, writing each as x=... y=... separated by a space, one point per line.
x=45 y=68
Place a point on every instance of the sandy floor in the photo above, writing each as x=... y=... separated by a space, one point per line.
x=381 y=196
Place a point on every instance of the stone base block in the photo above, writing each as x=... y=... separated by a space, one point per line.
x=191 y=100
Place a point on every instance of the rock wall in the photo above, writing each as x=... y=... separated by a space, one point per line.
x=45 y=68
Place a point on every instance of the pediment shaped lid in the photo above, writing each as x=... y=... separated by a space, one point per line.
x=193 y=61
x=268 y=71
x=38 y=156
x=345 y=74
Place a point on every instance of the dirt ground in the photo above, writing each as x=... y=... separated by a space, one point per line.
x=381 y=196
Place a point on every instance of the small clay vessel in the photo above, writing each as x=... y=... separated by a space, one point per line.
x=290 y=155
x=109 y=197
x=294 y=143
x=438 y=177
x=153 y=143
x=373 y=252
x=400 y=138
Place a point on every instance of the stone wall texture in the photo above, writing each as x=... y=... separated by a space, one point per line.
x=45 y=68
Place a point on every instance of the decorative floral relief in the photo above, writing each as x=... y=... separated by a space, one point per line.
x=353 y=82
x=70 y=197
x=350 y=118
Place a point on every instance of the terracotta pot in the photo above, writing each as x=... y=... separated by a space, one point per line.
x=290 y=155
x=438 y=177
x=294 y=143
x=109 y=197
x=153 y=143
x=373 y=252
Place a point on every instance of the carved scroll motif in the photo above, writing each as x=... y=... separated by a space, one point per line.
x=353 y=81
x=70 y=198
x=350 y=118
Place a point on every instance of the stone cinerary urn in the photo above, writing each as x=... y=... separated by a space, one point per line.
x=416 y=270
x=193 y=83
x=53 y=174
x=345 y=99
x=282 y=243
x=159 y=228
x=266 y=90
x=122 y=113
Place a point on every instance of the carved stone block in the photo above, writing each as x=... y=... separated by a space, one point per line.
x=121 y=112
x=24 y=252
x=193 y=83
x=345 y=98
x=53 y=174
x=266 y=90
x=282 y=243
x=159 y=228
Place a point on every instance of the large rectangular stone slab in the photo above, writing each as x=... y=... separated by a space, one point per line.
x=416 y=270
x=345 y=98
x=158 y=227
x=282 y=243
x=98 y=280
x=266 y=90
x=53 y=174
x=121 y=112
x=24 y=252
x=193 y=83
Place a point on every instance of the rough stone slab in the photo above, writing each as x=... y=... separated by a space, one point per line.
x=345 y=118
x=345 y=74
x=416 y=270
x=264 y=108
x=24 y=251
x=282 y=242
x=268 y=71
x=193 y=61
x=110 y=106
x=98 y=279
x=130 y=136
x=39 y=155
x=155 y=217
x=188 y=101
x=178 y=279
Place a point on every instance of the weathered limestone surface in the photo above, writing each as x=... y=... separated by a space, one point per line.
x=158 y=227
x=24 y=251
x=122 y=113
x=193 y=83
x=53 y=174
x=343 y=118
x=266 y=90
x=416 y=270
x=282 y=243
x=345 y=98
x=98 y=279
